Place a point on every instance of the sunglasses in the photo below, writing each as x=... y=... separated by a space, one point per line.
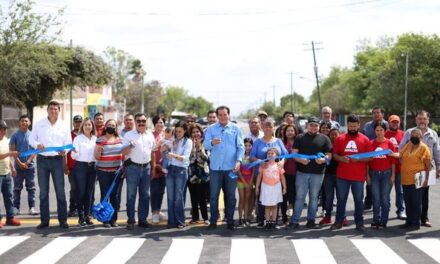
x=141 y=121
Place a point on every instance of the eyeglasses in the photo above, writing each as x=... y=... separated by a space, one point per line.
x=141 y=121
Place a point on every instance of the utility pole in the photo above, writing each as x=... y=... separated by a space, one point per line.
x=405 y=111
x=71 y=97
x=315 y=68
x=292 y=100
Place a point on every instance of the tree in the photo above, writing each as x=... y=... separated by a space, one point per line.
x=174 y=99
x=153 y=91
x=121 y=63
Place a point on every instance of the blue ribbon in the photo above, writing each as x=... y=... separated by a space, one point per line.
x=292 y=156
x=371 y=154
x=48 y=149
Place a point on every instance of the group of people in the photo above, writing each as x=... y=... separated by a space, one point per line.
x=207 y=160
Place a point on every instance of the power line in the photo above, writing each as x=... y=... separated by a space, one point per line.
x=315 y=68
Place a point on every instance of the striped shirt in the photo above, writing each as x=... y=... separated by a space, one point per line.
x=111 y=157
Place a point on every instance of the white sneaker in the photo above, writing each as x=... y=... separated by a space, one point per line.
x=156 y=219
x=289 y=212
x=32 y=211
x=161 y=216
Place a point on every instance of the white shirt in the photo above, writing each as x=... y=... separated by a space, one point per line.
x=84 y=148
x=49 y=135
x=260 y=135
x=143 y=143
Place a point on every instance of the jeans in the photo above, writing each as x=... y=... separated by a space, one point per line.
x=138 y=179
x=380 y=189
x=28 y=176
x=6 y=188
x=400 y=204
x=289 y=197
x=368 y=196
x=176 y=183
x=73 y=203
x=47 y=166
x=85 y=177
x=329 y=184
x=357 y=189
x=217 y=179
x=306 y=183
x=197 y=194
x=105 y=179
x=157 y=189
x=413 y=203
x=425 y=205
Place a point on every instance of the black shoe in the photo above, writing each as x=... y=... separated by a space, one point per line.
x=336 y=226
x=43 y=225
x=64 y=225
x=130 y=226
x=212 y=226
x=247 y=222
x=375 y=225
x=231 y=227
x=241 y=222
x=293 y=226
x=114 y=224
x=107 y=225
x=268 y=225
x=406 y=225
x=260 y=225
x=89 y=221
x=311 y=225
x=82 y=222
x=360 y=227
x=145 y=225
x=382 y=225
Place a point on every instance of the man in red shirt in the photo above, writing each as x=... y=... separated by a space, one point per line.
x=350 y=173
x=395 y=135
x=98 y=118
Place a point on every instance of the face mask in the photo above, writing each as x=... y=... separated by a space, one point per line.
x=110 y=130
x=352 y=133
x=415 y=140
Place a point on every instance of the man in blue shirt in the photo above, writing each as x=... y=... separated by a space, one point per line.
x=24 y=166
x=225 y=142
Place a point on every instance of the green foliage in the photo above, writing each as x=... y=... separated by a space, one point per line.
x=121 y=63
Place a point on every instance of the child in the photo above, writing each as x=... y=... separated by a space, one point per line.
x=166 y=144
x=271 y=178
x=244 y=185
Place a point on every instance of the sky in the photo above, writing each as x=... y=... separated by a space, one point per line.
x=239 y=52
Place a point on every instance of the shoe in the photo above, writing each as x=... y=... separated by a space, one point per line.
x=180 y=226
x=82 y=222
x=345 y=222
x=401 y=215
x=144 y=224
x=375 y=225
x=64 y=225
x=206 y=222
x=107 y=225
x=260 y=225
x=192 y=222
x=406 y=225
x=336 y=226
x=161 y=216
x=130 y=226
x=293 y=226
x=327 y=220
x=114 y=224
x=383 y=225
x=360 y=227
x=212 y=226
x=89 y=221
x=247 y=222
x=32 y=211
x=13 y=221
x=311 y=224
x=17 y=211
x=156 y=219
x=427 y=224
x=231 y=227
x=289 y=212
x=268 y=225
x=42 y=225
x=241 y=222
x=413 y=227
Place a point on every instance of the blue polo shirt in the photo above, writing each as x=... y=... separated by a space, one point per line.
x=225 y=155
x=21 y=142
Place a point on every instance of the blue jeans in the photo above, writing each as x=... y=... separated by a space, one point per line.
x=47 y=166
x=413 y=203
x=157 y=188
x=105 y=179
x=6 y=188
x=85 y=177
x=329 y=184
x=138 y=179
x=176 y=183
x=380 y=189
x=217 y=178
x=357 y=190
x=400 y=204
x=28 y=176
x=306 y=183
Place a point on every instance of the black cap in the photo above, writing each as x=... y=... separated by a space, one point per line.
x=3 y=124
x=313 y=119
x=77 y=118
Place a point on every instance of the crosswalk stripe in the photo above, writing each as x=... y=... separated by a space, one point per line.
x=312 y=251
x=183 y=251
x=8 y=242
x=431 y=247
x=54 y=251
x=376 y=251
x=119 y=250
x=248 y=251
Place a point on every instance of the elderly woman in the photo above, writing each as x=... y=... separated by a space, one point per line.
x=178 y=175
x=415 y=158
x=259 y=152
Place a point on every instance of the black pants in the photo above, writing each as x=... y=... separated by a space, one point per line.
x=197 y=193
x=289 y=197
x=73 y=204
x=425 y=205
x=368 y=202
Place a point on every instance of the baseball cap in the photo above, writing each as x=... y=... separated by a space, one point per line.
x=261 y=112
x=313 y=119
x=77 y=118
x=394 y=118
x=3 y=124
